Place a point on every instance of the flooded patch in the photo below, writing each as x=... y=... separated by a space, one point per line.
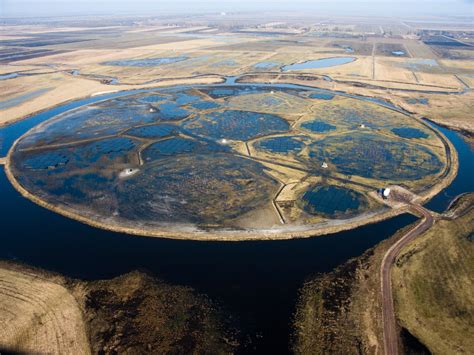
x=266 y=65
x=281 y=144
x=322 y=96
x=406 y=132
x=373 y=156
x=420 y=64
x=146 y=62
x=332 y=201
x=421 y=101
x=8 y=76
x=319 y=63
x=318 y=126
x=234 y=124
x=154 y=131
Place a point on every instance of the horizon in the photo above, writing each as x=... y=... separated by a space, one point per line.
x=384 y=8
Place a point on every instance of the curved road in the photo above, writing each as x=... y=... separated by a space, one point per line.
x=390 y=336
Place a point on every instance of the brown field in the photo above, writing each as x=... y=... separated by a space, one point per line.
x=39 y=315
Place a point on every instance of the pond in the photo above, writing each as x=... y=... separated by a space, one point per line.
x=331 y=200
x=8 y=76
x=319 y=63
x=266 y=65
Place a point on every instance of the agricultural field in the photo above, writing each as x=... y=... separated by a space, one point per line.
x=39 y=315
x=111 y=58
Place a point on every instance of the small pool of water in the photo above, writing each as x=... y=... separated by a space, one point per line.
x=407 y=132
x=8 y=76
x=331 y=201
x=281 y=144
x=266 y=65
x=322 y=96
x=147 y=62
x=318 y=126
x=417 y=101
x=319 y=63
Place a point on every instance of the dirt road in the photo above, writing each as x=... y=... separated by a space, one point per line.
x=390 y=336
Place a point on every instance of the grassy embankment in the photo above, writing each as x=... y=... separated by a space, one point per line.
x=340 y=312
x=434 y=282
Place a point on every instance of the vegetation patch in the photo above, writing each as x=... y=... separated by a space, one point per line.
x=433 y=280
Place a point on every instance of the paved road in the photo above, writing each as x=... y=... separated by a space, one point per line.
x=390 y=335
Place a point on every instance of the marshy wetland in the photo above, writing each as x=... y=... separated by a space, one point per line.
x=230 y=161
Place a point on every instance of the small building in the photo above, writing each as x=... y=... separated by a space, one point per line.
x=324 y=165
x=385 y=192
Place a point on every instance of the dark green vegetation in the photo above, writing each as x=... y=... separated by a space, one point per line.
x=198 y=157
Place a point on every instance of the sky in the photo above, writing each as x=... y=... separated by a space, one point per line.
x=406 y=8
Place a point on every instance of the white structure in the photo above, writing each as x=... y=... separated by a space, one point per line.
x=324 y=165
x=386 y=192
x=128 y=172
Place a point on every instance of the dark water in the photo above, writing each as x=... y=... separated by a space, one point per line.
x=256 y=281
x=464 y=181
x=329 y=200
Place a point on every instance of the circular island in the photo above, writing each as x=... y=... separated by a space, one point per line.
x=227 y=162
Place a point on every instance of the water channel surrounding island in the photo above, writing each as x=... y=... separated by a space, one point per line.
x=256 y=281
